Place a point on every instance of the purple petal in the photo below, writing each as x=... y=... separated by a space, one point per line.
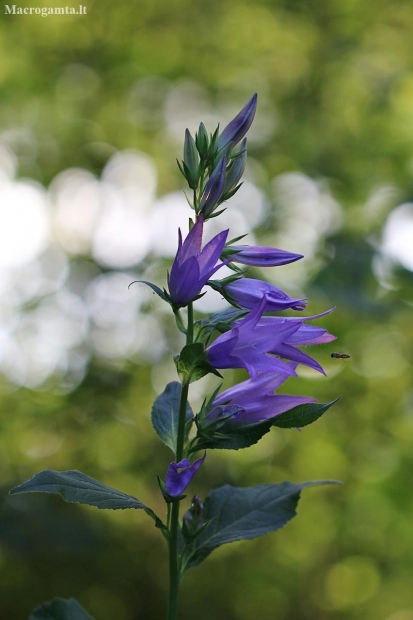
x=212 y=251
x=246 y=390
x=193 y=241
x=289 y=352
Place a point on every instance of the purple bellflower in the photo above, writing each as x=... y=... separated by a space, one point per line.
x=253 y=342
x=238 y=127
x=248 y=292
x=259 y=256
x=179 y=475
x=213 y=189
x=251 y=402
x=192 y=266
x=247 y=345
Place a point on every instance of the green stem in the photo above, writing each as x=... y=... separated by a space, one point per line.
x=174 y=522
x=173 y=563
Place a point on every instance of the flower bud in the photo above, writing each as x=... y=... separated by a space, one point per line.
x=236 y=170
x=202 y=142
x=238 y=127
x=213 y=189
x=248 y=292
x=191 y=161
x=194 y=514
x=193 y=519
x=258 y=256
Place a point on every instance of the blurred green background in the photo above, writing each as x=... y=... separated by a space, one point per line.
x=92 y=116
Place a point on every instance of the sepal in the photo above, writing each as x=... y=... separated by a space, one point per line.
x=163 y=294
x=220 y=286
x=220 y=321
x=192 y=363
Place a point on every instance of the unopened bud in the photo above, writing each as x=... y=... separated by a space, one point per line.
x=191 y=161
x=202 y=142
x=213 y=189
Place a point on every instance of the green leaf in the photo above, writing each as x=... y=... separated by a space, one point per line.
x=75 y=487
x=165 y=414
x=302 y=415
x=244 y=438
x=244 y=513
x=60 y=609
x=192 y=363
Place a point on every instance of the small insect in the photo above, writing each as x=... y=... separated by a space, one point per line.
x=340 y=356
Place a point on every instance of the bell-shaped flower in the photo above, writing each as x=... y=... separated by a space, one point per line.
x=238 y=127
x=247 y=345
x=213 y=189
x=179 y=475
x=259 y=256
x=192 y=266
x=248 y=292
x=257 y=343
x=249 y=403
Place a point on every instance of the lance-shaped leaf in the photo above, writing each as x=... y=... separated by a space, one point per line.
x=302 y=415
x=60 y=609
x=76 y=487
x=237 y=513
x=236 y=440
x=165 y=414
